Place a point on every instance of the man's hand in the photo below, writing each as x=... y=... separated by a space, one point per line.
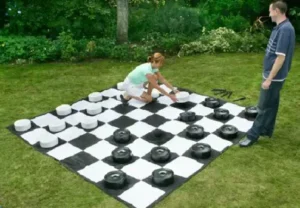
x=266 y=84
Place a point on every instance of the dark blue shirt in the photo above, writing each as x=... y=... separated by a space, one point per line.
x=281 y=42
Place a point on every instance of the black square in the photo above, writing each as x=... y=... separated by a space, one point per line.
x=235 y=140
x=212 y=117
x=243 y=115
x=214 y=155
x=113 y=142
x=12 y=129
x=184 y=135
x=109 y=160
x=155 y=120
x=79 y=161
x=86 y=113
x=123 y=109
x=184 y=106
x=149 y=159
x=159 y=139
x=153 y=107
x=100 y=123
x=178 y=181
x=117 y=192
x=198 y=118
x=123 y=122
x=38 y=147
x=85 y=141
x=48 y=129
x=61 y=117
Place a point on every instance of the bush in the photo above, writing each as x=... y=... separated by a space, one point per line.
x=225 y=40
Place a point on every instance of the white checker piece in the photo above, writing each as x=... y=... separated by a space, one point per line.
x=45 y=120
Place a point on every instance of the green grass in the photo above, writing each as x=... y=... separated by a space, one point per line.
x=265 y=175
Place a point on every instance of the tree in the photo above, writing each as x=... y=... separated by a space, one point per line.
x=2 y=13
x=122 y=21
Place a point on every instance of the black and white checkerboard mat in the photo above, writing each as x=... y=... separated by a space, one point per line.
x=88 y=152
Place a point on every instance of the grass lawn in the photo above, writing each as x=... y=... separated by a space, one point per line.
x=265 y=175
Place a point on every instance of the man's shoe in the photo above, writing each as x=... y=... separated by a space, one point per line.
x=247 y=142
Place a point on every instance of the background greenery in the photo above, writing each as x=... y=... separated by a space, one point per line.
x=40 y=31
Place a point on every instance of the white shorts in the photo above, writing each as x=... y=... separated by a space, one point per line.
x=133 y=89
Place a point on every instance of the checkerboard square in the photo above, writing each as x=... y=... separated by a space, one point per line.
x=170 y=112
x=136 y=103
x=96 y=171
x=75 y=119
x=145 y=169
x=233 y=108
x=100 y=150
x=80 y=105
x=165 y=100
x=139 y=114
x=104 y=131
x=85 y=141
x=158 y=137
x=70 y=133
x=33 y=137
x=141 y=195
x=153 y=107
x=110 y=103
x=184 y=106
x=195 y=98
x=123 y=122
x=140 y=128
x=173 y=127
x=209 y=125
x=45 y=120
x=140 y=147
x=123 y=109
x=155 y=120
x=64 y=151
x=201 y=110
x=79 y=161
x=241 y=124
x=179 y=145
x=168 y=90
x=216 y=142
x=184 y=166
x=108 y=116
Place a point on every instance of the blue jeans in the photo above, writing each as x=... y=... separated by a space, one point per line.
x=268 y=105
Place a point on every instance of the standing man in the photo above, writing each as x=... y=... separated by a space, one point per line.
x=277 y=64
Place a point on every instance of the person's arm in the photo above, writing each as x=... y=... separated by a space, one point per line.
x=164 y=81
x=152 y=80
x=281 y=51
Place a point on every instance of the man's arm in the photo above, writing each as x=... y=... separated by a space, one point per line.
x=276 y=66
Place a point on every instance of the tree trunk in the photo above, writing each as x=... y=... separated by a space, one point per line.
x=2 y=13
x=122 y=21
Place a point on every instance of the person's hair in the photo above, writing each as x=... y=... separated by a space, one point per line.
x=156 y=58
x=281 y=5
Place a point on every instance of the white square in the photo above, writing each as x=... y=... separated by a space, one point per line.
x=170 y=112
x=184 y=166
x=108 y=116
x=241 y=124
x=140 y=128
x=140 y=147
x=201 y=110
x=233 y=109
x=34 y=136
x=168 y=90
x=64 y=151
x=195 y=98
x=140 y=169
x=70 y=133
x=45 y=120
x=179 y=145
x=165 y=100
x=110 y=92
x=75 y=119
x=141 y=195
x=216 y=142
x=104 y=131
x=110 y=103
x=136 y=103
x=139 y=114
x=80 y=105
x=174 y=127
x=100 y=150
x=209 y=125
x=96 y=171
